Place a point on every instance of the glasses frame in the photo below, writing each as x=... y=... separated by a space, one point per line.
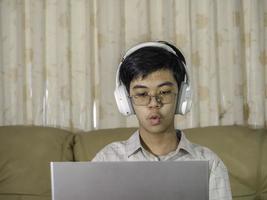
x=157 y=97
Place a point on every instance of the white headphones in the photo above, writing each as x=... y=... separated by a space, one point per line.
x=184 y=98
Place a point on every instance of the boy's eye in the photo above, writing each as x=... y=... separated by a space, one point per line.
x=164 y=92
x=143 y=94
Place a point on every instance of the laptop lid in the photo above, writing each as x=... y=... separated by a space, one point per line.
x=186 y=180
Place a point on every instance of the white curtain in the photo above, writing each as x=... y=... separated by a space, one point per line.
x=58 y=59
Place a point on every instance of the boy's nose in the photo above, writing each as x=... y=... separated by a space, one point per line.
x=154 y=101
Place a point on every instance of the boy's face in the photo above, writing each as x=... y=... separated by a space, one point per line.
x=158 y=115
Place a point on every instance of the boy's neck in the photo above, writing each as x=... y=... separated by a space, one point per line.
x=159 y=144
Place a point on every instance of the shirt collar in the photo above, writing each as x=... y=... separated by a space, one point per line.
x=134 y=144
x=184 y=143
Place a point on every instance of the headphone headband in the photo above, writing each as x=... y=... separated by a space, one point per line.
x=150 y=44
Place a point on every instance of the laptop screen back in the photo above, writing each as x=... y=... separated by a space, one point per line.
x=186 y=180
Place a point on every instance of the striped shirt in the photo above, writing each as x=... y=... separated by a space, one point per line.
x=132 y=150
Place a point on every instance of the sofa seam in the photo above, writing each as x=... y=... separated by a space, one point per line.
x=259 y=167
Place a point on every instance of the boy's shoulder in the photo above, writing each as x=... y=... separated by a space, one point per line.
x=114 y=151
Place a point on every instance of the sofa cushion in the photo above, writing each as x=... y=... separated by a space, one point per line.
x=26 y=153
x=243 y=150
x=263 y=164
x=24 y=197
x=87 y=144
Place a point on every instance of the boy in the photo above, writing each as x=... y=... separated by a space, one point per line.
x=153 y=83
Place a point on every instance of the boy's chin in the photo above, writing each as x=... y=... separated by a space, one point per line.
x=159 y=129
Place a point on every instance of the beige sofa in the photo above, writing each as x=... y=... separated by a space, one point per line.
x=25 y=154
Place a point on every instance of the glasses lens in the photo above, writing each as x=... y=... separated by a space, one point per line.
x=144 y=100
x=166 y=98
x=141 y=100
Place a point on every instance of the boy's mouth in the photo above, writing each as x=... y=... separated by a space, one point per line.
x=154 y=120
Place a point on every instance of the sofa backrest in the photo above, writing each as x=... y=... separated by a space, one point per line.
x=25 y=156
x=87 y=144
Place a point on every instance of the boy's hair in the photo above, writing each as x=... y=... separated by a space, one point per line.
x=147 y=60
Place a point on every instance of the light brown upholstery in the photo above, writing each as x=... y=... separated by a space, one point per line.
x=25 y=156
x=88 y=144
x=25 y=153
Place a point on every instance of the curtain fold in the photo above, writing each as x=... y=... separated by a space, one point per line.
x=58 y=59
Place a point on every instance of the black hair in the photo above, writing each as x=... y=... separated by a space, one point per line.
x=147 y=60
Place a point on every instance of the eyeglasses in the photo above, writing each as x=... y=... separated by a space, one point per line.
x=144 y=99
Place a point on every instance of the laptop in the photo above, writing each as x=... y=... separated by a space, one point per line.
x=185 y=180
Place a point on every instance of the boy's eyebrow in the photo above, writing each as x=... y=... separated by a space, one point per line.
x=167 y=83
x=139 y=86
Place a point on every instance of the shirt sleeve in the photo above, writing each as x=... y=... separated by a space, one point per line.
x=99 y=157
x=111 y=152
x=219 y=182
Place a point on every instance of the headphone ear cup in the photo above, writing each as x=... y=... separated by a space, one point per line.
x=124 y=103
x=184 y=100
